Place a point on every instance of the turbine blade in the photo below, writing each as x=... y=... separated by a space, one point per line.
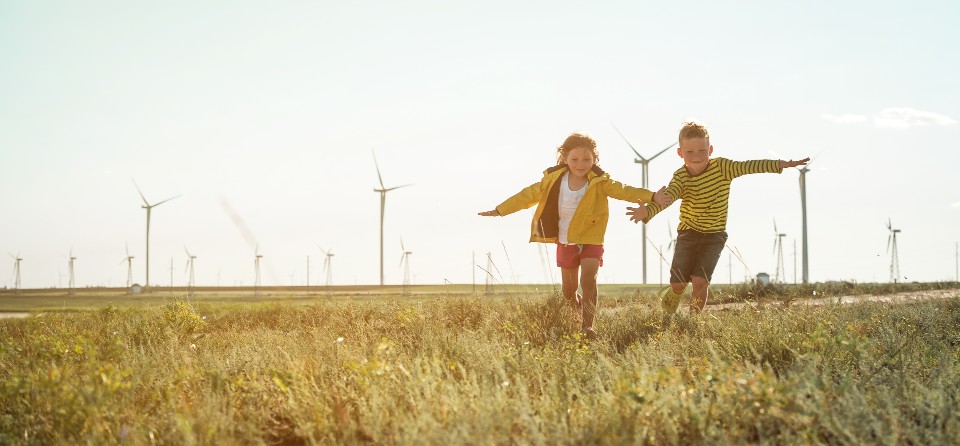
x=661 y=152
x=888 y=242
x=628 y=142
x=140 y=192
x=164 y=201
x=398 y=187
x=377 y=165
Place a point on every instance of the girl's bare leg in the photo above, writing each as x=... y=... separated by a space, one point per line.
x=570 y=284
x=588 y=281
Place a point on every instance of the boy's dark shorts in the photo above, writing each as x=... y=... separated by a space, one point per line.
x=569 y=256
x=696 y=254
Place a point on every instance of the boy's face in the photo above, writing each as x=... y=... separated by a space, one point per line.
x=580 y=161
x=695 y=153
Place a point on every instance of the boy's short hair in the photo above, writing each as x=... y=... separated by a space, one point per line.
x=577 y=140
x=694 y=129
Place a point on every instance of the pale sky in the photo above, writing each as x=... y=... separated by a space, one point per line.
x=276 y=107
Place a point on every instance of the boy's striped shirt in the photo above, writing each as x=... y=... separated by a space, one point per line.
x=705 y=197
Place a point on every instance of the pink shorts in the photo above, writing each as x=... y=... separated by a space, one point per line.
x=569 y=256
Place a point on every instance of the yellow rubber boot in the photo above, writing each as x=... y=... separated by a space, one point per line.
x=669 y=300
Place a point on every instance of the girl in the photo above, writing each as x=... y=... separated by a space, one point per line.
x=572 y=212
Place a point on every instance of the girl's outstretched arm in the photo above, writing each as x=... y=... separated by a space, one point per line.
x=492 y=213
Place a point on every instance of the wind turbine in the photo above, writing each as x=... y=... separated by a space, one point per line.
x=778 y=250
x=328 y=266
x=383 y=201
x=189 y=267
x=129 y=260
x=673 y=241
x=645 y=165
x=149 y=207
x=256 y=266
x=405 y=263
x=70 y=266
x=16 y=271
x=894 y=261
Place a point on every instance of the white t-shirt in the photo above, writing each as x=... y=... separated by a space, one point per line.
x=569 y=200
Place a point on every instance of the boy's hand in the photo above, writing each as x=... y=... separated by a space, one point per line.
x=638 y=213
x=662 y=198
x=492 y=213
x=792 y=163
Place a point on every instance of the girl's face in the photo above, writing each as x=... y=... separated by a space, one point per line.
x=580 y=161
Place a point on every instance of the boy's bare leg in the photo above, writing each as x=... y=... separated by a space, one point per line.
x=570 y=277
x=588 y=281
x=678 y=288
x=699 y=299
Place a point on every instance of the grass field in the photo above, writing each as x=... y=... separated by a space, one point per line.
x=445 y=366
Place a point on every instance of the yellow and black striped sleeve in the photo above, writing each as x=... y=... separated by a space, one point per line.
x=732 y=169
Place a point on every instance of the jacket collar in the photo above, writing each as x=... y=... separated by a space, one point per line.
x=596 y=171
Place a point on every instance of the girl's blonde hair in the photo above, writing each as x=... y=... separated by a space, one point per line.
x=577 y=140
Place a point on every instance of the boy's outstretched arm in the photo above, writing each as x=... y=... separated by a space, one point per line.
x=492 y=213
x=792 y=163
x=661 y=198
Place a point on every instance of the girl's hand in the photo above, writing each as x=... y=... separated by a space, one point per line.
x=492 y=213
x=638 y=213
x=662 y=198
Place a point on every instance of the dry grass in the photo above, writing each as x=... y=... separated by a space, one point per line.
x=503 y=370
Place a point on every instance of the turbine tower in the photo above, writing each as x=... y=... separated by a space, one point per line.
x=149 y=207
x=16 y=271
x=405 y=264
x=129 y=260
x=803 y=211
x=189 y=267
x=328 y=266
x=70 y=266
x=645 y=165
x=778 y=250
x=383 y=201
x=894 y=261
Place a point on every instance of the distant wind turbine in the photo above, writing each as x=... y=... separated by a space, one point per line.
x=894 y=261
x=71 y=283
x=149 y=207
x=645 y=166
x=327 y=266
x=129 y=260
x=405 y=264
x=778 y=251
x=383 y=201
x=16 y=271
x=189 y=267
x=256 y=266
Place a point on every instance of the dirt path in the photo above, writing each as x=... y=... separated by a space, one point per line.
x=905 y=297
x=4 y=315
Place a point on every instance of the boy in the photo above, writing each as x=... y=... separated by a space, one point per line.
x=703 y=186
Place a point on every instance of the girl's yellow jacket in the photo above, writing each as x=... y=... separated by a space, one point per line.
x=589 y=221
